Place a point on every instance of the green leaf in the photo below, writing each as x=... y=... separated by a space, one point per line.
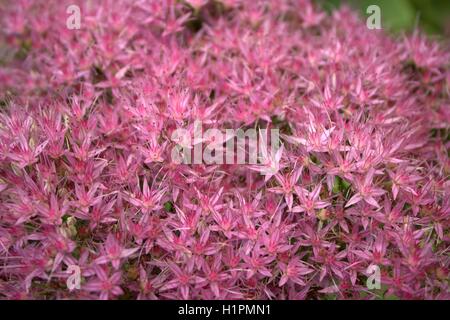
x=396 y=15
x=402 y=15
x=340 y=185
x=168 y=206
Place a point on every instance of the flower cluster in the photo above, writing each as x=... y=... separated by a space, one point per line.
x=87 y=178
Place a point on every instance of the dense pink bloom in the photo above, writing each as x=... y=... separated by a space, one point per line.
x=87 y=178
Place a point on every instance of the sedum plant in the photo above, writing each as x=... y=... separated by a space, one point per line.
x=87 y=177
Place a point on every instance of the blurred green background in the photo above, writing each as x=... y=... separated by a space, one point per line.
x=433 y=16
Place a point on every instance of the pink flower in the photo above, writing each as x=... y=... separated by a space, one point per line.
x=183 y=280
x=147 y=199
x=107 y=286
x=113 y=252
x=309 y=200
x=366 y=191
x=287 y=184
x=53 y=212
x=294 y=271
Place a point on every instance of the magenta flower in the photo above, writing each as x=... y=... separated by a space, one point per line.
x=147 y=199
x=113 y=252
x=107 y=286
x=366 y=191
x=53 y=211
x=309 y=200
x=294 y=271
x=287 y=185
